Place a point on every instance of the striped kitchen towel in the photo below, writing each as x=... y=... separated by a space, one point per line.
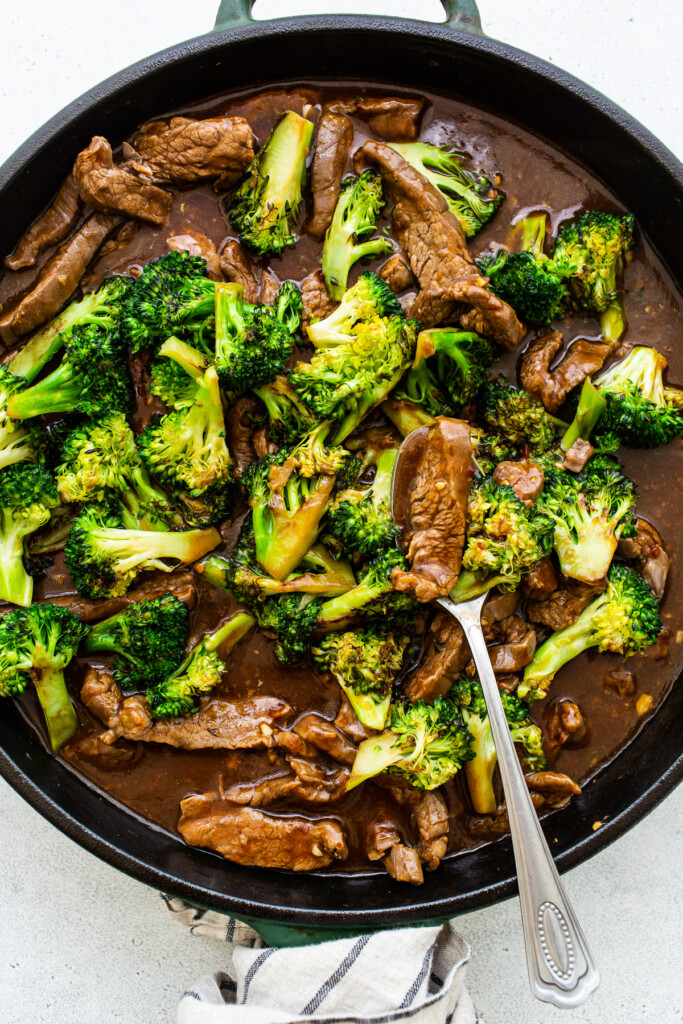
x=413 y=975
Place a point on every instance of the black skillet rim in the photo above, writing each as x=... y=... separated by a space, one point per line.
x=397 y=908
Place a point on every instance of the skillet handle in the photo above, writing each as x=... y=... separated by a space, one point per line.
x=460 y=14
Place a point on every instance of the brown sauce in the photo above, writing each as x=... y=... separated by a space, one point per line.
x=533 y=176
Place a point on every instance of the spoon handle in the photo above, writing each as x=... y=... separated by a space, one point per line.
x=561 y=967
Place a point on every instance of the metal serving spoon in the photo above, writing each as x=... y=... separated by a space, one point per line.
x=561 y=967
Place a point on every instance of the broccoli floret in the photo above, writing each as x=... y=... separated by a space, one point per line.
x=490 y=449
x=504 y=536
x=345 y=380
x=590 y=251
x=529 y=280
x=106 y=551
x=367 y=300
x=640 y=410
x=27 y=496
x=470 y=196
x=624 y=619
x=19 y=441
x=289 y=493
x=374 y=597
x=288 y=417
x=420 y=390
x=174 y=373
x=99 y=458
x=292 y=620
x=426 y=744
x=102 y=308
x=240 y=573
x=252 y=345
x=360 y=519
x=480 y=769
x=589 y=511
x=458 y=363
x=201 y=672
x=36 y=645
x=148 y=639
x=93 y=378
x=209 y=508
x=355 y=217
x=512 y=412
x=289 y=306
x=264 y=208
x=186 y=449
x=365 y=664
x=172 y=295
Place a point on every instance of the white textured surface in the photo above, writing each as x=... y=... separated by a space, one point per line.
x=81 y=942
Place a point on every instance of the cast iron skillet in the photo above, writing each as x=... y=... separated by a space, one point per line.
x=444 y=59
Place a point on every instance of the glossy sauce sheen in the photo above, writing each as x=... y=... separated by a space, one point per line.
x=533 y=176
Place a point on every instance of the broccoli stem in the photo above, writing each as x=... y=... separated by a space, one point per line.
x=132 y=548
x=560 y=648
x=60 y=715
x=45 y=343
x=230 y=633
x=405 y=415
x=479 y=772
x=374 y=756
x=193 y=362
x=590 y=409
x=533 y=233
x=16 y=586
x=58 y=392
x=613 y=322
x=470 y=586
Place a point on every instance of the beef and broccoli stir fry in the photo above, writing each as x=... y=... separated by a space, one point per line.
x=218 y=336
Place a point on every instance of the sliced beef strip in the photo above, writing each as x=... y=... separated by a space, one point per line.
x=578 y=455
x=551 y=387
x=431 y=817
x=335 y=135
x=435 y=526
x=445 y=657
x=51 y=228
x=397 y=274
x=541 y=581
x=57 y=280
x=428 y=817
x=317 y=303
x=184 y=150
x=436 y=247
x=112 y=190
x=393 y=117
x=197 y=244
x=512 y=657
x=270 y=286
x=219 y=724
x=237 y=266
x=249 y=836
x=524 y=477
x=498 y=606
x=307 y=782
x=239 y=428
x=348 y=721
x=324 y=735
x=119 y=756
x=488 y=315
x=556 y=788
x=563 y=607
x=294 y=744
x=564 y=722
x=403 y=864
x=648 y=551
